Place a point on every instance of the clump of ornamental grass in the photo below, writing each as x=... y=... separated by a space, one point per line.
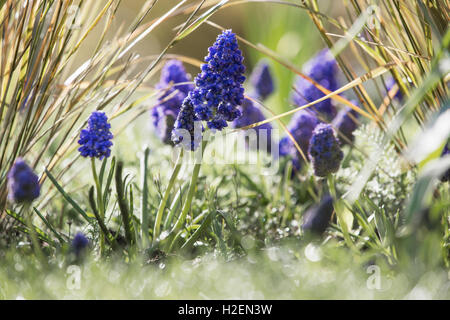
x=47 y=81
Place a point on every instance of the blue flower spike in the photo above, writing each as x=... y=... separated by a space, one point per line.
x=301 y=127
x=252 y=114
x=324 y=151
x=323 y=69
x=187 y=128
x=218 y=91
x=23 y=183
x=95 y=140
x=79 y=243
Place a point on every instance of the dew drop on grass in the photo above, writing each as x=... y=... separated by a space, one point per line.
x=313 y=252
x=273 y=253
x=163 y=235
x=248 y=242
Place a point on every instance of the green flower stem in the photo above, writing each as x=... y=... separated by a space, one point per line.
x=33 y=235
x=163 y=202
x=187 y=204
x=145 y=219
x=190 y=242
x=100 y=203
x=339 y=209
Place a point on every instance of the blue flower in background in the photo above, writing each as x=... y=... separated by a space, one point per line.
x=251 y=114
x=323 y=69
x=317 y=218
x=446 y=176
x=96 y=141
x=218 y=88
x=169 y=104
x=345 y=123
x=301 y=127
x=79 y=243
x=187 y=128
x=23 y=183
x=324 y=150
x=164 y=125
x=261 y=80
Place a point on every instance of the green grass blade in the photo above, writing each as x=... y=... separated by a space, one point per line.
x=67 y=197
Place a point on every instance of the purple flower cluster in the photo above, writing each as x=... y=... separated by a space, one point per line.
x=166 y=112
x=253 y=114
x=262 y=83
x=324 y=150
x=187 y=128
x=79 y=243
x=345 y=123
x=218 y=88
x=301 y=127
x=96 y=141
x=261 y=80
x=322 y=69
x=23 y=183
x=317 y=218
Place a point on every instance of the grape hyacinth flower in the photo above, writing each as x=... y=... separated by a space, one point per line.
x=324 y=151
x=446 y=176
x=166 y=112
x=79 y=243
x=261 y=80
x=323 y=69
x=251 y=113
x=187 y=128
x=23 y=183
x=95 y=141
x=345 y=123
x=218 y=88
x=301 y=127
x=317 y=218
